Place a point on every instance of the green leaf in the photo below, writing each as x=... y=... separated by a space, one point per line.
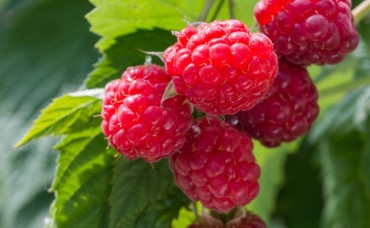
x=115 y=18
x=62 y=115
x=82 y=182
x=143 y=195
x=126 y=52
x=92 y=188
x=184 y=219
x=347 y=196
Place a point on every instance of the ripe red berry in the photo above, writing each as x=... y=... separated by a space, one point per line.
x=135 y=121
x=216 y=166
x=309 y=31
x=221 y=67
x=288 y=111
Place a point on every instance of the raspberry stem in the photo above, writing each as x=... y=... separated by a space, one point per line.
x=345 y=87
x=205 y=11
x=361 y=11
x=195 y=210
x=219 y=6
x=232 y=9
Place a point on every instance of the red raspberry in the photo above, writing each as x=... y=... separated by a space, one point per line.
x=221 y=67
x=308 y=31
x=135 y=121
x=288 y=111
x=216 y=166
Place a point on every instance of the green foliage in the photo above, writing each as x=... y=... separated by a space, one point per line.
x=342 y=137
x=82 y=181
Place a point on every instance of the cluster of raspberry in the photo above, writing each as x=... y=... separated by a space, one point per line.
x=244 y=85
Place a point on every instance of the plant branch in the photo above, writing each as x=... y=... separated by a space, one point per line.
x=361 y=11
x=195 y=210
x=205 y=11
x=219 y=6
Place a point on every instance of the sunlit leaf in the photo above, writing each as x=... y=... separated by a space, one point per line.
x=62 y=115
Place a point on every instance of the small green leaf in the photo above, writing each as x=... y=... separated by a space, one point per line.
x=62 y=115
x=143 y=195
x=184 y=219
x=126 y=52
x=82 y=181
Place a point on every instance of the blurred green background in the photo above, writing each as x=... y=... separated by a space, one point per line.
x=46 y=49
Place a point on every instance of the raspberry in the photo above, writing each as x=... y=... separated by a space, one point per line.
x=251 y=221
x=308 y=31
x=135 y=121
x=248 y=220
x=216 y=165
x=221 y=67
x=288 y=111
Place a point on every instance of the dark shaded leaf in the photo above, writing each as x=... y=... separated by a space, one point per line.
x=299 y=203
x=143 y=195
x=347 y=198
